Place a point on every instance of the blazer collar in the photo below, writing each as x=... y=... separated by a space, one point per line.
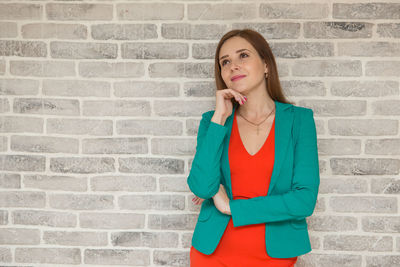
x=283 y=126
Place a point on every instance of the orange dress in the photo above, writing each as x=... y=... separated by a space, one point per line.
x=244 y=246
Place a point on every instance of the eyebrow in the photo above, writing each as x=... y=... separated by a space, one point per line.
x=240 y=50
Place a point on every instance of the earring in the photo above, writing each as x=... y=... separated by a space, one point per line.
x=266 y=75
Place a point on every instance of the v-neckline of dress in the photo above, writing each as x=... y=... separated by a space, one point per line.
x=240 y=138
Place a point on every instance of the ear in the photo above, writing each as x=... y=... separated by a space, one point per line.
x=265 y=68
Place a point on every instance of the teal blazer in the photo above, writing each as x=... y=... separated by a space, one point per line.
x=292 y=193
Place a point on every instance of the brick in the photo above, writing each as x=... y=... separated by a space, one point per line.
x=358 y=243
x=294 y=11
x=75 y=238
x=330 y=223
x=3 y=221
x=370 y=204
x=4 y=105
x=173 y=146
x=3 y=143
x=53 y=31
x=361 y=127
x=343 y=186
x=173 y=184
x=336 y=107
x=388 y=30
x=81 y=201
x=111 y=70
x=56 y=11
x=44 y=144
x=81 y=165
x=150 y=11
x=117 y=256
x=19 y=87
x=383 y=260
x=339 y=146
x=181 y=108
x=146 y=89
x=364 y=88
x=76 y=88
x=124 y=31
x=151 y=165
x=42 y=68
x=204 y=50
x=18 y=236
x=172 y=221
x=79 y=126
x=386 y=107
x=112 y=221
x=8 y=29
x=46 y=106
x=44 y=218
x=123 y=183
x=171 y=257
x=2 y=67
x=331 y=260
x=22 y=163
x=21 y=11
x=304 y=88
x=28 y=199
x=157 y=202
x=384 y=146
x=47 y=255
x=192 y=31
x=337 y=29
x=22 y=48
x=201 y=88
x=10 y=180
x=116 y=108
x=14 y=124
x=149 y=127
x=145 y=239
x=221 y=11
x=54 y=182
x=74 y=50
x=181 y=69
x=157 y=50
x=381 y=224
x=302 y=49
x=5 y=255
x=342 y=68
x=273 y=30
x=382 y=68
x=136 y=145
x=385 y=186
x=366 y=49
x=366 y=11
x=368 y=166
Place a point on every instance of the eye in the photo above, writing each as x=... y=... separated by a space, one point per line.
x=223 y=62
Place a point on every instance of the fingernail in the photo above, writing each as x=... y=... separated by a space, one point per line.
x=245 y=97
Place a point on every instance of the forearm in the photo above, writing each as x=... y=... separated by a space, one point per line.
x=205 y=174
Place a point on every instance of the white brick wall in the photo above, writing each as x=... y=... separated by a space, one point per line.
x=101 y=101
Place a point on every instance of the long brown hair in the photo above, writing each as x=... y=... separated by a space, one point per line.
x=274 y=89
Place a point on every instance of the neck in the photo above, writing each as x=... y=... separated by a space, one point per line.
x=257 y=105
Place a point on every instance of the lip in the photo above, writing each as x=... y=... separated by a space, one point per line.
x=237 y=77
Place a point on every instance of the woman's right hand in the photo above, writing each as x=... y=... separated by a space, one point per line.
x=223 y=105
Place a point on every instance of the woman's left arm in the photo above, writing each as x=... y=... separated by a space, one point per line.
x=301 y=200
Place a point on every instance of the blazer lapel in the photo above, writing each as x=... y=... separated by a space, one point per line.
x=283 y=126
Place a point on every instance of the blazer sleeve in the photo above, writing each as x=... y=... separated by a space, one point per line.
x=205 y=175
x=301 y=200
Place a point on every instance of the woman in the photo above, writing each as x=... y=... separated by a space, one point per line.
x=255 y=170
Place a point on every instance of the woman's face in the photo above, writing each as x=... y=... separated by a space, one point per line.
x=237 y=57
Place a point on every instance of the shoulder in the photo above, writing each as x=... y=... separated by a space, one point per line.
x=302 y=112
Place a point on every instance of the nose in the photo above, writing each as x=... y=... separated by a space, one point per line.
x=235 y=65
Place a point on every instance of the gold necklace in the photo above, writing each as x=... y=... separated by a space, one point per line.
x=258 y=128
